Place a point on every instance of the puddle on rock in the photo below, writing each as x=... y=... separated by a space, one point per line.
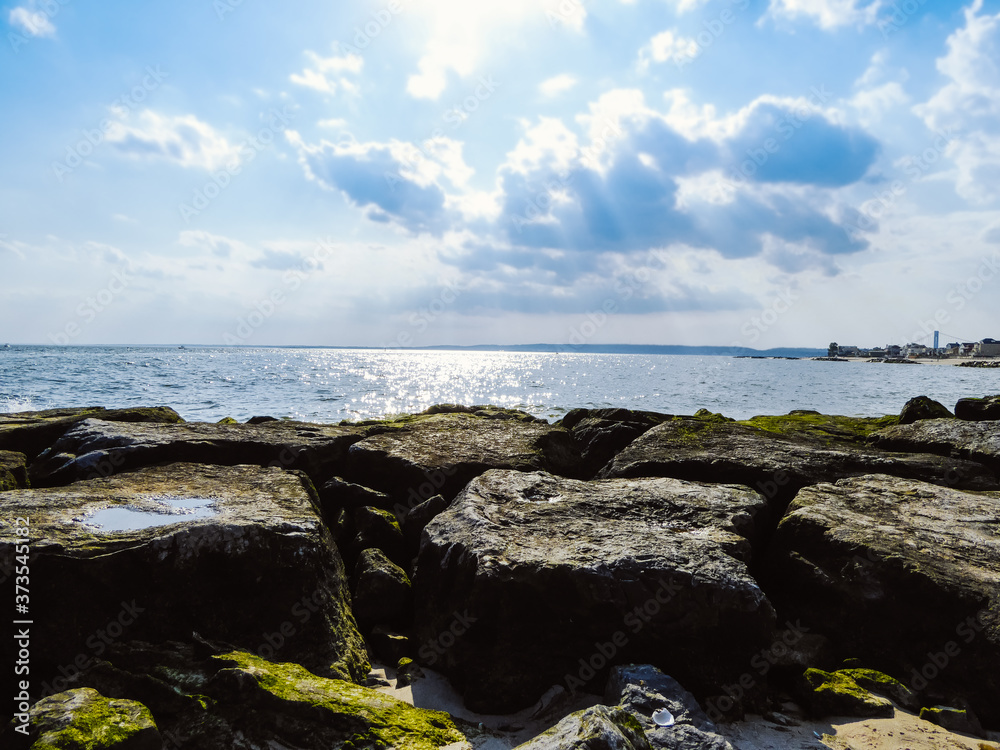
x=174 y=510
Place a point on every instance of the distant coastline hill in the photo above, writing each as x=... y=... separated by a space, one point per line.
x=725 y=351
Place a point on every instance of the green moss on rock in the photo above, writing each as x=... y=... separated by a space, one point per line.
x=827 y=427
x=882 y=684
x=83 y=719
x=359 y=716
x=837 y=694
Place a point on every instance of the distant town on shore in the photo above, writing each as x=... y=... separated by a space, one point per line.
x=972 y=349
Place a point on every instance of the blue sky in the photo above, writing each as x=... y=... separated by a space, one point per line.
x=748 y=172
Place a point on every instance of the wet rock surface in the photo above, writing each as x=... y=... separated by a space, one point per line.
x=551 y=572
x=429 y=454
x=33 y=431
x=978 y=409
x=779 y=463
x=957 y=438
x=96 y=447
x=237 y=554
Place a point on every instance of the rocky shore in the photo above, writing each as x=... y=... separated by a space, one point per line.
x=618 y=579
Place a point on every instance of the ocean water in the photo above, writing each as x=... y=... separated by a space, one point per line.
x=328 y=385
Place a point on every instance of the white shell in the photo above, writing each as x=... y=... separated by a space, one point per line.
x=663 y=718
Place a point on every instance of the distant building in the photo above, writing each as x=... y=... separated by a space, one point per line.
x=848 y=351
x=987 y=348
x=893 y=350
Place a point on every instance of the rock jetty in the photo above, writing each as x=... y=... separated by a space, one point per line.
x=624 y=579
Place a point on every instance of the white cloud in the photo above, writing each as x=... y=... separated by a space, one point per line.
x=967 y=108
x=827 y=14
x=185 y=140
x=222 y=247
x=668 y=46
x=31 y=21
x=557 y=85
x=459 y=34
x=550 y=143
x=328 y=73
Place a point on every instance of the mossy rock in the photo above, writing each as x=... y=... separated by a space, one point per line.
x=825 y=427
x=331 y=713
x=83 y=719
x=952 y=719
x=13 y=471
x=227 y=420
x=884 y=685
x=596 y=728
x=711 y=416
x=837 y=694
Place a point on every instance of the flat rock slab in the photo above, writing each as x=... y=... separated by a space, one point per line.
x=778 y=464
x=95 y=448
x=529 y=580
x=904 y=575
x=31 y=432
x=975 y=441
x=236 y=554
x=418 y=457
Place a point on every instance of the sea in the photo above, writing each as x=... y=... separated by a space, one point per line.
x=330 y=385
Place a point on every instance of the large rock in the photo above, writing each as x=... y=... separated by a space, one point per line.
x=642 y=689
x=417 y=457
x=904 y=575
x=83 y=719
x=597 y=728
x=528 y=580
x=96 y=447
x=978 y=409
x=923 y=407
x=777 y=463
x=601 y=433
x=382 y=593
x=237 y=554
x=207 y=696
x=838 y=694
x=13 y=470
x=957 y=438
x=31 y=432
x=283 y=705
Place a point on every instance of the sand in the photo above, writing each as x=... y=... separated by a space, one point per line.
x=902 y=732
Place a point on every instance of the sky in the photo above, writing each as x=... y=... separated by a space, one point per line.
x=756 y=173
